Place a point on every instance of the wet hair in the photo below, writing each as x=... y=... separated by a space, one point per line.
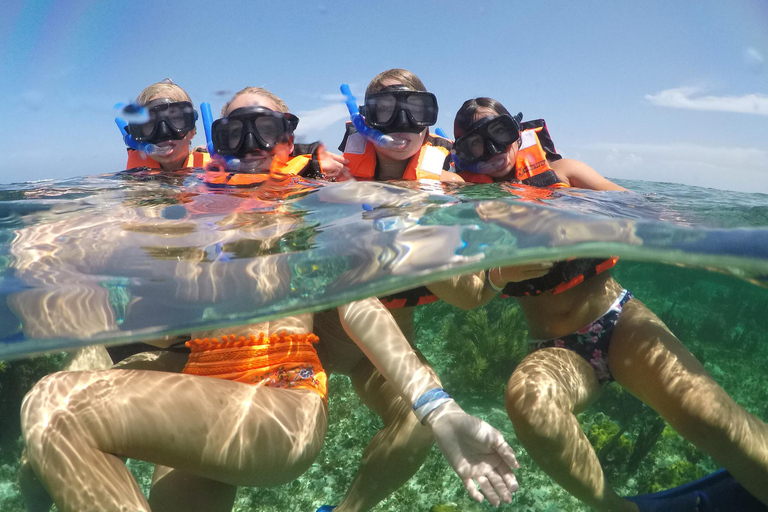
x=402 y=76
x=260 y=91
x=163 y=89
x=466 y=114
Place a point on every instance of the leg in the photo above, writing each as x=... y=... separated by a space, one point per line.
x=543 y=396
x=33 y=492
x=647 y=359
x=395 y=453
x=173 y=489
x=77 y=424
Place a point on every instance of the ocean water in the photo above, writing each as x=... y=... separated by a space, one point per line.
x=118 y=258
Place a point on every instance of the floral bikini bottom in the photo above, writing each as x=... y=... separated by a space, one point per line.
x=591 y=341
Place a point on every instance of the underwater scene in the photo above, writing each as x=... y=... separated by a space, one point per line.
x=126 y=257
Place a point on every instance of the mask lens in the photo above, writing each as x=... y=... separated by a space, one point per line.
x=146 y=129
x=470 y=148
x=270 y=129
x=502 y=133
x=383 y=108
x=422 y=108
x=177 y=117
x=233 y=132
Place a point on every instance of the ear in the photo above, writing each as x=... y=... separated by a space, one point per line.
x=290 y=145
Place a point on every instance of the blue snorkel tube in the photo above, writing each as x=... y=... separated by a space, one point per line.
x=231 y=162
x=372 y=134
x=144 y=147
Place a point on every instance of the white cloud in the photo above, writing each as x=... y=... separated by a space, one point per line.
x=314 y=121
x=688 y=98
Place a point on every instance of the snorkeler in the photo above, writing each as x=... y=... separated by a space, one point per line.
x=587 y=330
x=248 y=409
x=166 y=135
x=398 y=107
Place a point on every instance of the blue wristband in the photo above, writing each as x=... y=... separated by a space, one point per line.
x=430 y=401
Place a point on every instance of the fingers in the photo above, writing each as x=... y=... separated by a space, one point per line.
x=507 y=455
x=488 y=490
x=469 y=485
x=510 y=481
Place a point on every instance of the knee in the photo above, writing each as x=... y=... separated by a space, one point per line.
x=47 y=410
x=533 y=403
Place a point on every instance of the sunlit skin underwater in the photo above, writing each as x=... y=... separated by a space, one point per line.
x=257 y=279
x=716 y=313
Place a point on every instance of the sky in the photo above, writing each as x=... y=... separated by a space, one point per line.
x=653 y=90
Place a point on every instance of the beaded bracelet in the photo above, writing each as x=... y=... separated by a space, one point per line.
x=489 y=282
x=430 y=401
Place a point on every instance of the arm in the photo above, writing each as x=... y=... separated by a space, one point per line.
x=580 y=175
x=475 y=450
x=466 y=291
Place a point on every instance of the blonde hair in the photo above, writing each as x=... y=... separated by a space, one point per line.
x=164 y=89
x=260 y=91
x=399 y=75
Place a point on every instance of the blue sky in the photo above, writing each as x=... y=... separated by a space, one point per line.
x=655 y=90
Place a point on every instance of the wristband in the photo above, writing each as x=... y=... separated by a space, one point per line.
x=489 y=282
x=430 y=401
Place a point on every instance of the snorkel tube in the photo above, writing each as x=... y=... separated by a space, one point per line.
x=230 y=161
x=144 y=147
x=373 y=135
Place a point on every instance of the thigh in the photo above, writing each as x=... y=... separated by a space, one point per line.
x=227 y=431
x=650 y=362
x=336 y=350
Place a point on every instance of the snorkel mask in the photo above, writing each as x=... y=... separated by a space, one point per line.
x=372 y=134
x=244 y=131
x=475 y=150
x=166 y=120
x=398 y=109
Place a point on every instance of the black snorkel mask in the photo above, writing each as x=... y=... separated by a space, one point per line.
x=248 y=129
x=168 y=120
x=398 y=109
x=485 y=139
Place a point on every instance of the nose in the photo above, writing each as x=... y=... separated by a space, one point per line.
x=163 y=132
x=491 y=149
x=402 y=118
x=250 y=143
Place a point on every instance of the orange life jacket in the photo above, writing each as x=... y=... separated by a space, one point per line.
x=432 y=162
x=208 y=199
x=195 y=159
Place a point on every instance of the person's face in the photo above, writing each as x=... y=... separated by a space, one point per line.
x=260 y=160
x=414 y=140
x=503 y=163
x=180 y=148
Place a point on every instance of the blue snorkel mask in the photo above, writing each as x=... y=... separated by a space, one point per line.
x=372 y=134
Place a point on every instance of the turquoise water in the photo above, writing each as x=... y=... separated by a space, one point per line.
x=110 y=258
x=114 y=259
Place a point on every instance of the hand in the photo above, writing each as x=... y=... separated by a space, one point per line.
x=334 y=166
x=517 y=273
x=476 y=451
